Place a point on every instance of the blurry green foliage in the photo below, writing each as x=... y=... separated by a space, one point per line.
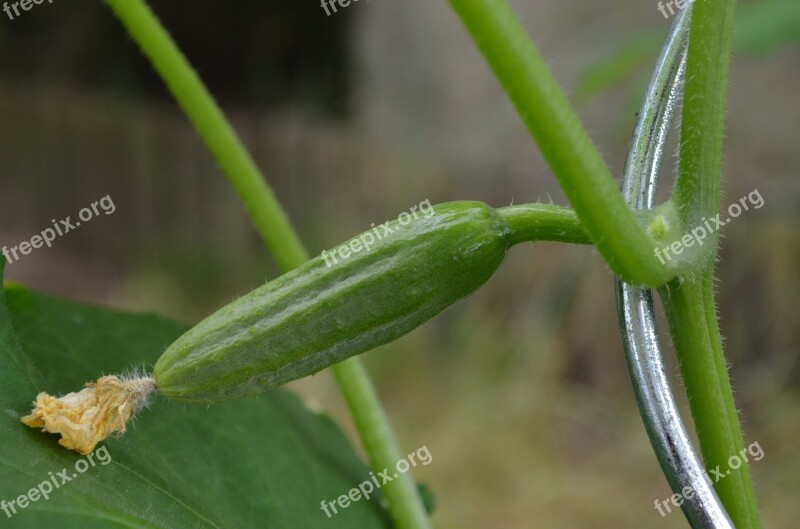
x=762 y=27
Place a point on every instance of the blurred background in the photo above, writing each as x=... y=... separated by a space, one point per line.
x=520 y=392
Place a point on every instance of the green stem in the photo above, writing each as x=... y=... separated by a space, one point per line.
x=689 y=302
x=697 y=188
x=543 y=222
x=566 y=146
x=273 y=224
x=380 y=444
x=215 y=130
x=695 y=332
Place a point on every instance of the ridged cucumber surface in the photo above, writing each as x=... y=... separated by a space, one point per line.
x=318 y=315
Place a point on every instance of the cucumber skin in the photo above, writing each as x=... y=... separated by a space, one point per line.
x=315 y=316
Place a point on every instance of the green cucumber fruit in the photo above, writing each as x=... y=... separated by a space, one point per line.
x=318 y=315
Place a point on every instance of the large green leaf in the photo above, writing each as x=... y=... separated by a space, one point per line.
x=263 y=462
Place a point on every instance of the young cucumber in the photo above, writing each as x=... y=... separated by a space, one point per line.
x=318 y=315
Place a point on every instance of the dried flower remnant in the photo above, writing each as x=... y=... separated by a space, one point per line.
x=87 y=417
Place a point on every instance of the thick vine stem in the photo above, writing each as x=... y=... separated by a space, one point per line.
x=406 y=505
x=697 y=187
x=691 y=312
x=586 y=180
x=657 y=406
x=689 y=301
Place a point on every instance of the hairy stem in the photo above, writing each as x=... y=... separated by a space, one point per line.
x=380 y=444
x=566 y=146
x=215 y=130
x=406 y=505
x=695 y=332
x=689 y=302
x=697 y=188
x=543 y=222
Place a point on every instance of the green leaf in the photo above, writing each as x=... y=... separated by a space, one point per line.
x=259 y=462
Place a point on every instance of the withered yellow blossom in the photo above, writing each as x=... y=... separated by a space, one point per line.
x=87 y=417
